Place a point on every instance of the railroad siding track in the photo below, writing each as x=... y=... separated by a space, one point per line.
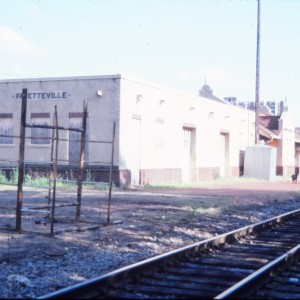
x=280 y=279
x=202 y=270
x=285 y=286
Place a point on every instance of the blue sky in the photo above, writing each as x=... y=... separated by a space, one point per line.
x=171 y=43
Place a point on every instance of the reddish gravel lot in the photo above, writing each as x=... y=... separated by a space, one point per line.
x=240 y=188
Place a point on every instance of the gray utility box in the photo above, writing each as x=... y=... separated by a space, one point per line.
x=260 y=162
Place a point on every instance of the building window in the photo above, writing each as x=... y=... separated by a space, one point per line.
x=75 y=121
x=6 y=129
x=40 y=136
x=161 y=108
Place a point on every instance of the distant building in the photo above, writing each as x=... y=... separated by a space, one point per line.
x=231 y=100
x=207 y=92
x=273 y=107
x=269 y=108
x=276 y=130
x=162 y=136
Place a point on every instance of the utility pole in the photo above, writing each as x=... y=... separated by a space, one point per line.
x=257 y=75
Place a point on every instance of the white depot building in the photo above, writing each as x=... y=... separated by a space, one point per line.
x=162 y=136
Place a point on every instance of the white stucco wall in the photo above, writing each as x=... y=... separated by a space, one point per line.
x=103 y=111
x=287 y=143
x=179 y=110
x=149 y=122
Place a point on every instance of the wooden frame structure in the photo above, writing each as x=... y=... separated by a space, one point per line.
x=51 y=206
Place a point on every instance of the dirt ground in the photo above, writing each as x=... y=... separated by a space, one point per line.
x=143 y=222
x=238 y=187
x=142 y=204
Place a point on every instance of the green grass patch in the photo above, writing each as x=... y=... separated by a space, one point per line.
x=32 y=178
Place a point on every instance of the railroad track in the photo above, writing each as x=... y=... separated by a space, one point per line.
x=249 y=262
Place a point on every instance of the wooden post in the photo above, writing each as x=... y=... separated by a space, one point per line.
x=51 y=161
x=257 y=104
x=81 y=160
x=111 y=173
x=54 y=172
x=21 y=160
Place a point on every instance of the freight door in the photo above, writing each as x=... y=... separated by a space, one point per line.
x=135 y=145
x=75 y=141
x=189 y=155
x=224 y=155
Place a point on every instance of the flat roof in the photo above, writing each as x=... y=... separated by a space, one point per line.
x=117 y=76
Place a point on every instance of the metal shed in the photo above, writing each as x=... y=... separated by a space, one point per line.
x=260 y=162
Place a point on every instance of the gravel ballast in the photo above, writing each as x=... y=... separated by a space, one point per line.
x=145 y=223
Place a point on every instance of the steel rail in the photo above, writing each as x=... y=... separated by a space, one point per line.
x=258 y=276
x=90 y=287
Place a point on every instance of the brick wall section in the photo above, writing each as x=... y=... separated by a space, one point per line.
x=279 y=170
x=160 y=176
x=289 y=170
x=6 y=116
x=70 y=172
x=124 y=178
x=167 y=176
x=75 y=115
x=120 y=178
x=208 y=173
x=40 y=115
x=236 y=171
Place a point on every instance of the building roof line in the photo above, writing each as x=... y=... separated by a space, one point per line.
x=65 y=78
